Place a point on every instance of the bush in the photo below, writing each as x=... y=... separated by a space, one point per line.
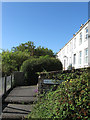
x=66 y=75
x=44 y=63
x=11 y=61
x=69 y=102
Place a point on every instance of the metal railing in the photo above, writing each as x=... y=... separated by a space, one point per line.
x=7 y=83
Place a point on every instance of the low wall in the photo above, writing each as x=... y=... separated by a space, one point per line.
x=45 y=87
x=42 y=87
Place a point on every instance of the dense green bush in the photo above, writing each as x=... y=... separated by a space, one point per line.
x=44 y=63
x=11 y=61
x=69 y=102
x=64 y=75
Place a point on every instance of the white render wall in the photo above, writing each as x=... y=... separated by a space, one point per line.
x=66 y=54
x=89 y=44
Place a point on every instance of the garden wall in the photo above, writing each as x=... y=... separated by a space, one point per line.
x=59 y=77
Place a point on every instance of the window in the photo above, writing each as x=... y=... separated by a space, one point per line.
x=86 y=33
x=80 y=41
x=86 y=30
x=70 y=61
x=75 y=43
x=86 y=36
x=80 y=57
x=86 y=55
x=74 y=59
x=67 y=61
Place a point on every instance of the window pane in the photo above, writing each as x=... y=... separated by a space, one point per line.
x=80 y=57
x=80 y=41
x=86 y=55
x=86 y=30
x=74 y=61
x=86 y=36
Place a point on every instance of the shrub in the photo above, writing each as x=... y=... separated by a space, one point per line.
x=11 y=61
x=31 y=66
x=66 y=75
x=69 y=102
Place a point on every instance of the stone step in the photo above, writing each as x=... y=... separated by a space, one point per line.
x=21 y=100
x=16 y=111
x=22 y=94
x=25 y=91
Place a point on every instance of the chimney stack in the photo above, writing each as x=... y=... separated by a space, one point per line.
x=73 y=35
x=81 y=26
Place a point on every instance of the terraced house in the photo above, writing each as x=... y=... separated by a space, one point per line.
x=76 y=52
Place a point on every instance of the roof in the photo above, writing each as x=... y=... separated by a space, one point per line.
x=75 y=35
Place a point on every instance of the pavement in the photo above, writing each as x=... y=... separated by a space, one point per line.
x=19 y=102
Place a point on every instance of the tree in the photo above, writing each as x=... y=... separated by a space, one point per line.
x=8 y=63
x=11 y=61
x=41 y=51
x=25 y=47
x=30 y=48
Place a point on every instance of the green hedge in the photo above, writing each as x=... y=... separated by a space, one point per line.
x=69 y=102
x=65 y=75
x=44 y=63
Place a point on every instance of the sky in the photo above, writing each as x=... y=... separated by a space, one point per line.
x=47 y=24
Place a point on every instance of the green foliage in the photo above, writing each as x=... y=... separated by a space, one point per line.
x=11 y=61
x=66 y=75
x=31 y=49
x=70 y=67
x=31 y=66
x=69 y=102
x=25 y=47
x=39 y=51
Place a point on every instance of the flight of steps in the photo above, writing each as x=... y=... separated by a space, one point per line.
x=18 y=104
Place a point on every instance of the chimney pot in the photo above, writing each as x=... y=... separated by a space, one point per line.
x=73 y=35
x=81 y=26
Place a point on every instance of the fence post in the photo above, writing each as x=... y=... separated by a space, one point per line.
x=5 y=84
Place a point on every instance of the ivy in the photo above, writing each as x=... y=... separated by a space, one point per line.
x=69 y=102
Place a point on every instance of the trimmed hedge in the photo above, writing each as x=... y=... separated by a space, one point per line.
x=69 y=102
x=65 y=75
x=44 y=63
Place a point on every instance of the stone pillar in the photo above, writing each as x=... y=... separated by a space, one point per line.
x=40 y=85
x=18 y=78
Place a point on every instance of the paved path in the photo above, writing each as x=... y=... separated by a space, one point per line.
x=19 y=102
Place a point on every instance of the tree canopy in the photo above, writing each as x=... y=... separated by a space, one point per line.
x=30 y=48
x=12 y=60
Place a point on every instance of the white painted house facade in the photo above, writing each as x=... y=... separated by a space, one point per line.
x=77 y=51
